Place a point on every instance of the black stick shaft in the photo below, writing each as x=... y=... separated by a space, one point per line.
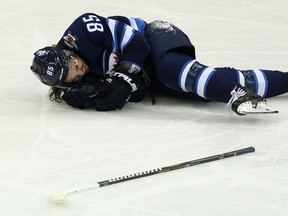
x=177 y=166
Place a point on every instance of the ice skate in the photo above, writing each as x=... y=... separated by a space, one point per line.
x=244 y=101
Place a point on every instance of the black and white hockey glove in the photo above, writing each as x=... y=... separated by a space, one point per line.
x=116 y=90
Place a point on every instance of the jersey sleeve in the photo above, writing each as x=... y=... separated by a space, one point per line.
x=128 y=42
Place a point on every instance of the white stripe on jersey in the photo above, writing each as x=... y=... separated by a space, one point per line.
x=183 y=75
x=261 y=82
x=113 y=26
x=203 y=80
x=241 y=78
x=133 y=24
x=126 y=37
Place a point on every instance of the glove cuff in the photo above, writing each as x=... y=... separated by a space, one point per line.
x=128 y=78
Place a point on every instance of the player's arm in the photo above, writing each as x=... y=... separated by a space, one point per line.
x=127 y=81
x=128 y=43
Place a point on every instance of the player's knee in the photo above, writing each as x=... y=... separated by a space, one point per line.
x=194 y=77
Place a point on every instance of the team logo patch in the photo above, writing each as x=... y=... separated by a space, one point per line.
x=70 y=41
x=112 y=63
x=41 y=53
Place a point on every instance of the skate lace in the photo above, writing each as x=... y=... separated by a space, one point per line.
x=235 y=94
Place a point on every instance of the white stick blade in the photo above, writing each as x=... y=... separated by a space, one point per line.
x=58 y=197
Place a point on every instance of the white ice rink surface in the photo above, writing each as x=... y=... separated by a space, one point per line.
x=47 y=147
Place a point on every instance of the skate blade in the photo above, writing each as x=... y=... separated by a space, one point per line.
x=261 y=108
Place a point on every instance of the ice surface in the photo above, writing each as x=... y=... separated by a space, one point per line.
x=47 y=147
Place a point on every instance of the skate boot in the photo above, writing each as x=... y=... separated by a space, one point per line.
x=244 y=101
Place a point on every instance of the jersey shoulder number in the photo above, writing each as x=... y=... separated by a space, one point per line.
x=93 y=23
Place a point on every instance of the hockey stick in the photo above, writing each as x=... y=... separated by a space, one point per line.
x=60 y=196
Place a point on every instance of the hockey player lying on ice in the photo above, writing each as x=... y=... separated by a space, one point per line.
x=103 y=63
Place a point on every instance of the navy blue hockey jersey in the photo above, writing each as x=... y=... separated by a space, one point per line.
x=105 y=42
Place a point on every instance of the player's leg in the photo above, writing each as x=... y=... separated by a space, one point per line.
x=183 y=73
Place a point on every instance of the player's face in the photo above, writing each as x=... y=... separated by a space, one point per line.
x=77 y=69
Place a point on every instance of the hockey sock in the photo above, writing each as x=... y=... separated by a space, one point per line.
x=265 y=83
x=206 y=82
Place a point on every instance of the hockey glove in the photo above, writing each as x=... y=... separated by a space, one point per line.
x=82 y=98
x=116 y=91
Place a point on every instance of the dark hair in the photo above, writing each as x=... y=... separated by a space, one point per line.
x=55 y=94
